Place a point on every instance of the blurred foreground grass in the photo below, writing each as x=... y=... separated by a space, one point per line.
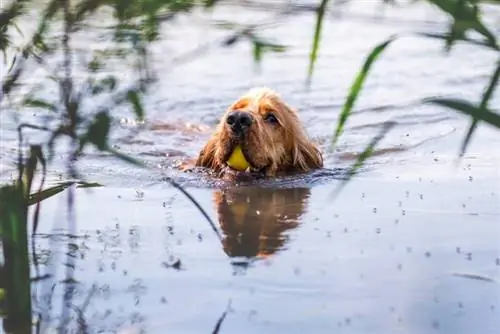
x=135 y=25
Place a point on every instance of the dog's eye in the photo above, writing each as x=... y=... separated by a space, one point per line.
x=270 y=118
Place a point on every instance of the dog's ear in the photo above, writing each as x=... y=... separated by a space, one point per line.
x=306 y=156
x=206 y=157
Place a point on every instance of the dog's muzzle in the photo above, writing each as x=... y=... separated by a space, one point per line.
x=239 y=121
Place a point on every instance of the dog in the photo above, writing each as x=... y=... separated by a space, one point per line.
x=256 y=222
x=269 y=134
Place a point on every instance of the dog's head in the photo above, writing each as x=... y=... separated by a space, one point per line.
x=269 y=133
x=256 y=221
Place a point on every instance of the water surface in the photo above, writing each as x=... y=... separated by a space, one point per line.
x=410 y=246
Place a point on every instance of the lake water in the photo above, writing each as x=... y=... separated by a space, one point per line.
x=411 y=245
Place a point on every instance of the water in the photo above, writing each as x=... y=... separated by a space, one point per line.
x=411 y=245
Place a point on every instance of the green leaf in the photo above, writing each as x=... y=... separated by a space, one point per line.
x=484 y=104
x=108 y=84
x=469 y=109
x=491 y=87
x=210 y=3
x=16 y=263
x=52 y=191
x=39 y=103
x=98 y=131
x=133 y=97
x=367 y=153
x=257 y=52
x=357 y=86
x=320 y=14
x=150 y=27
x=86 y=7
x=36 y=156
x=260 y=46
x=275 y=47
x=40 y=196
x=125 y=158
x=446 y=37
x=465 y=16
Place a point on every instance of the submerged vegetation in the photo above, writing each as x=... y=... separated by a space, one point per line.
x=134 y=26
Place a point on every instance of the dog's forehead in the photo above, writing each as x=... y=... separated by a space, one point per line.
x=257 y=98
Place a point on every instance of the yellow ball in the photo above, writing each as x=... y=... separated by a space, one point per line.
x=237 y=160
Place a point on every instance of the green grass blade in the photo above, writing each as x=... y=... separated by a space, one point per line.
x=39 y=103
x=468 y=108
x=446 y=37
x=320 y=14
x=465 y=18
x=135 y=100
x=468 y=137
x=484 y=104
x=17 y=289
x=367 y=152
x=125 y=157
x=491 y=87
x=357 y=86
x=42 y=195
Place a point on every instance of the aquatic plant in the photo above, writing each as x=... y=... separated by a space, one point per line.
x=134 y=27
x=465 y=20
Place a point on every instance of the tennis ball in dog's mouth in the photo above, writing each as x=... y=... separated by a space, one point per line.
x=237 y=160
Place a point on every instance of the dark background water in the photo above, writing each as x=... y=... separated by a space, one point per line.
x=410 y=246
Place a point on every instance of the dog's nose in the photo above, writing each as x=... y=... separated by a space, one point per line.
x=239 y=121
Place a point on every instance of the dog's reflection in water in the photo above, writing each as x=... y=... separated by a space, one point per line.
x=256 y=221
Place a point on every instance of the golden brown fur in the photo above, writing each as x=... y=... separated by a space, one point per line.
x=256 y=221
x=280 y=147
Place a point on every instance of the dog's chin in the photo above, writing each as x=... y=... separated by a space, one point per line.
x=246 y=175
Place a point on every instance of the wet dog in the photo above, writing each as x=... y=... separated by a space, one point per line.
x=263 y=136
